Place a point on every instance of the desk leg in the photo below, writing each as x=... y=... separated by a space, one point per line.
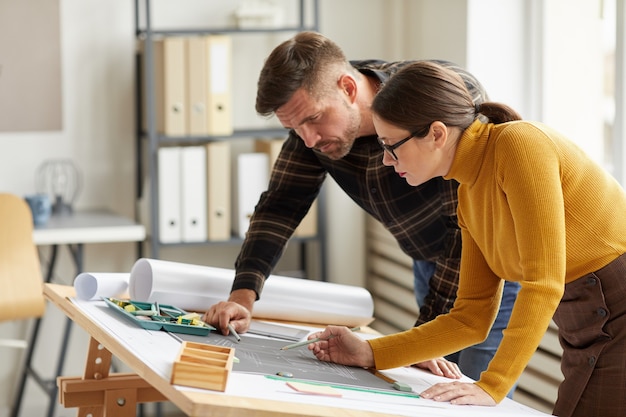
x=100 y=394
x=96 y=368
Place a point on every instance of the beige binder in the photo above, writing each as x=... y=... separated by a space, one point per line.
x=197 y=78
x=170 y=86
x=219 y=187
x=272 y=147
x=219 y=84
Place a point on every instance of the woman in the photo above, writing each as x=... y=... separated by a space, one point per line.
x=534 y=209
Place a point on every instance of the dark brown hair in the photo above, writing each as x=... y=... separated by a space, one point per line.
x=305 y=61
x=423 y=92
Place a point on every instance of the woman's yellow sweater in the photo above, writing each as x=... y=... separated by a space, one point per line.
x=535 y=209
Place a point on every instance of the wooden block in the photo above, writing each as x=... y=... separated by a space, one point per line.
x=201 y=365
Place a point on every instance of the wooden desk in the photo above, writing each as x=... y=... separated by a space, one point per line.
x=150 y=381
x=74 y=231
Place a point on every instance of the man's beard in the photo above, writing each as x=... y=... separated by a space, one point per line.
x=343 y=143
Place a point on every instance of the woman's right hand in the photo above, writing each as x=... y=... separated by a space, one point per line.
x=340 y=345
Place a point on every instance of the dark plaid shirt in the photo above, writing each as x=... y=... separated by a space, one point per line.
x=422 y=219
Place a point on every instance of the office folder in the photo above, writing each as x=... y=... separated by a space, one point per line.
x=272 y=147
x=219 y=193
x=170 y=86
x=169 y=194
x=194 y=194
x=219 y=85
x=197 y=79
x=251 y=173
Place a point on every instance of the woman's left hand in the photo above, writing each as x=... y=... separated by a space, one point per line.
x=441 y=367
x=461 y=393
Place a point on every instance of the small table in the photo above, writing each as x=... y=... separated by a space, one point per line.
x=75 y=230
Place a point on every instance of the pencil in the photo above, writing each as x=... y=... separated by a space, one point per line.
x=308 y=342
x=232 y=330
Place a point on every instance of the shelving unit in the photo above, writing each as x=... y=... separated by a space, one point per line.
x=145 y=76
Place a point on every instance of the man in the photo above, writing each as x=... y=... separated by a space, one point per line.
x=324 y=100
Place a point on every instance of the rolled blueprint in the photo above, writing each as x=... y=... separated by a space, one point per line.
x=196 y=288
x=95 y=285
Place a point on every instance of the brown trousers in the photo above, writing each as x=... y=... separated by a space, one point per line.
x=592 y=330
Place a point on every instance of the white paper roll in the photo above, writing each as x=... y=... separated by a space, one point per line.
x=95 y=285
x=196 y=288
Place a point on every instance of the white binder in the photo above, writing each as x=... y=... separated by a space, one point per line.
x=193 y=197
x=252 y=180
x=169 y=194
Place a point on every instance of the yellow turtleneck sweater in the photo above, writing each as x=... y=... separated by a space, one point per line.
x=533 y=208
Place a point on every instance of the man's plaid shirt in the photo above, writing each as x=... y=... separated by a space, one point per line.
x=422 y=219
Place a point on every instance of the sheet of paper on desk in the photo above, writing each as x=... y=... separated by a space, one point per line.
x=278 y=331
x=263 y=356
x=247 y=385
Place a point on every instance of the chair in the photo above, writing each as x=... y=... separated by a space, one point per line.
x=21 y=284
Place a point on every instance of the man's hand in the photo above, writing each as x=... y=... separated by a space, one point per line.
x=237 y=311
x=441 y=367
x=462 y=393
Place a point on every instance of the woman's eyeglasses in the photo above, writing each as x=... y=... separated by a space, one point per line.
x=390 y=148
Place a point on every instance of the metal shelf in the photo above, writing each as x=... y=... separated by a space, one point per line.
x=156 y=140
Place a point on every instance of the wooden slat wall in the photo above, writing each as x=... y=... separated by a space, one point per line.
x=390 y=280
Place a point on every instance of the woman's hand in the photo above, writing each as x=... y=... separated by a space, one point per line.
x=462 y=393
x=341 y=346
x=441 y=367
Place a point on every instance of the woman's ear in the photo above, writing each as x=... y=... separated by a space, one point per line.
x=439 y=132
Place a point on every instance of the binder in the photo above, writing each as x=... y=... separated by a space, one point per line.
x=272 y=147
x=169 y=194
x=197 y=78
x=219 y=193
x=170 y=86
x=219 y=85
x=194 y=194
x=251 y=174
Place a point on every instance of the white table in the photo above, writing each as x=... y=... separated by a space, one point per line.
x=150 y=356
x=75 y=230
x=88 y=226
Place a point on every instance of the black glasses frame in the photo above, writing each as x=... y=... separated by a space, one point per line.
x=390 y=148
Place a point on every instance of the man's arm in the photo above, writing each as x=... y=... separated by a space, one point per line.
x=294 y=184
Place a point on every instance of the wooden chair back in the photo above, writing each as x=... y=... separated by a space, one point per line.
x=21 y=284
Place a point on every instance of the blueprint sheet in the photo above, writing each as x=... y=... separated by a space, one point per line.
x=263 y=356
